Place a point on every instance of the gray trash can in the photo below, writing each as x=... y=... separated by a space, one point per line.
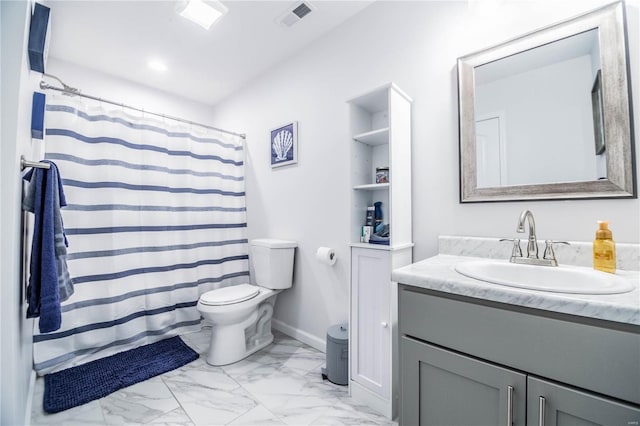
x=337 y=370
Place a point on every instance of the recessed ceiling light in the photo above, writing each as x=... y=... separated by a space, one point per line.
x=203 y=13
x=157 y=65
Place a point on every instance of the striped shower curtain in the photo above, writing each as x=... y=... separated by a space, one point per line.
x=156 y=216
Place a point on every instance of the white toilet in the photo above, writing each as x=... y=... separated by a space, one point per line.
x=241 y=314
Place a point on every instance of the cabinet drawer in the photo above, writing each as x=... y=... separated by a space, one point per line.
x=584 y=355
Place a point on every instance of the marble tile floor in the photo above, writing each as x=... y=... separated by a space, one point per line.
x=280 y=385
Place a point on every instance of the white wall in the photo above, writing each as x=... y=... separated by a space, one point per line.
x=414 y=44
x=15 y=330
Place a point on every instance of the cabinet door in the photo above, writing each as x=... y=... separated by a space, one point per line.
x=440 y=387
x=550 y=404
x=370 y=320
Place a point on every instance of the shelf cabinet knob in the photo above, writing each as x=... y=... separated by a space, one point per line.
x=384 y=324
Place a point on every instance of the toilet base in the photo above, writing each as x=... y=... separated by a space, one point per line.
x=232 y=343
x=212 y=359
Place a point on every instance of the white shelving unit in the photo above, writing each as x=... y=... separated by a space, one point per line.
x=381 y=137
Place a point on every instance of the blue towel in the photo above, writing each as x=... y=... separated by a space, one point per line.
x=37 y=115
x=65 y=283
x=49 y=280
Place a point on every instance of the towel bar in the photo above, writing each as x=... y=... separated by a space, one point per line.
x=26 y=163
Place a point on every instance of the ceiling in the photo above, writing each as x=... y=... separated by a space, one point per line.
x=120 y=37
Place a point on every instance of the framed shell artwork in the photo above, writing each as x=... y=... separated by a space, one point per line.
x=284 y=145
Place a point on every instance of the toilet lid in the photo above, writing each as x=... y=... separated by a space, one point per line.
x=229 y=295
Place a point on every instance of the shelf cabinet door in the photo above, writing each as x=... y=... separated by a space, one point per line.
x=440 y=387
x=370 y=319
x=564 y=406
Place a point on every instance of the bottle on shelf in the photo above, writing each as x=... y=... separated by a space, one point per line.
x=370 y=219
x=377 y=216
x=369 y=222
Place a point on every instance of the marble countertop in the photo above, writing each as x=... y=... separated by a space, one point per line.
x=438 y=273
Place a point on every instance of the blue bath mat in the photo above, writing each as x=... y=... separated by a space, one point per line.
x=84 y=383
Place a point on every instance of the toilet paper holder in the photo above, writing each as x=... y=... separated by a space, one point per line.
x=326 y=255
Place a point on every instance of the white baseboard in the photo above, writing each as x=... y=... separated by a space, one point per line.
x=303 y=336
x=32 y=387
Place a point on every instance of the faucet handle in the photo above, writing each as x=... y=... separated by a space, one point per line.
x=516 y=251
x=549 y=253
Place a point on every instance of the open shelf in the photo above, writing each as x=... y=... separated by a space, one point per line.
x=374 y=137
x=372 y=186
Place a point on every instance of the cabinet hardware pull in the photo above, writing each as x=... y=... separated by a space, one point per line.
x=541 y=411
x=384 y=324
x=509 y=405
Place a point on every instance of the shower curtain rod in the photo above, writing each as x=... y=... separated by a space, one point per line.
x=72 y=91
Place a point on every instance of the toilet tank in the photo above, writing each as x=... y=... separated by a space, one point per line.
x=273 y=262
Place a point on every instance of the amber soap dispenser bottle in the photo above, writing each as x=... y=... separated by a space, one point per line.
x=604 y=249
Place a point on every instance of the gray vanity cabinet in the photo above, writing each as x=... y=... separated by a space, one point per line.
x=563 y=406
x=467 y=361
x=441 y=387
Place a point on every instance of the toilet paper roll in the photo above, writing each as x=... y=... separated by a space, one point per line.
x=326 y=255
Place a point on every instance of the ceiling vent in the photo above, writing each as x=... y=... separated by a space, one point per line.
x=294 y=14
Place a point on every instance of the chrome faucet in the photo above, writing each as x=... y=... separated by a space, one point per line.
x=532 y=245
x=549 y=258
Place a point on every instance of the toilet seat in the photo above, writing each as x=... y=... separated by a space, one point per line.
x=229 y=295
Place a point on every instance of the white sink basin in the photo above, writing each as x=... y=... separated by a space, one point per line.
x=559 y=279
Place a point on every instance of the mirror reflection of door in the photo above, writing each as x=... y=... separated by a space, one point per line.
x=490 y=147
